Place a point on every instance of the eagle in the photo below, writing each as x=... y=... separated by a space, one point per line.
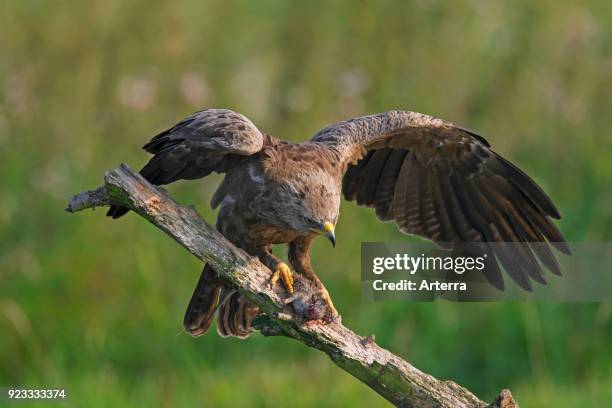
x=433 y=179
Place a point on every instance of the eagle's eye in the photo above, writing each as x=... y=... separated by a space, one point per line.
x=310 y=222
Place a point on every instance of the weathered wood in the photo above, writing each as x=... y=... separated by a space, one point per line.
x=393 y=378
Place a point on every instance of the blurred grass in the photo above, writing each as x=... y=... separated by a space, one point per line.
x=96 y=306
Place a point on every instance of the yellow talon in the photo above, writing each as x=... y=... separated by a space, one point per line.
x=328 y=301
x=284 y=273
x=332 y=314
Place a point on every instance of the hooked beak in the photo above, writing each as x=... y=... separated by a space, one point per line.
x=328 y=228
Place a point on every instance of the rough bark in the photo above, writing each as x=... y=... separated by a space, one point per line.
x=393 y=378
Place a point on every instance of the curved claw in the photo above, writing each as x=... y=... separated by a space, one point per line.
x=332 y=314
x=282 y=272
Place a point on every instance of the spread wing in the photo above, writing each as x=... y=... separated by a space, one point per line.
x=204 y=142
x=445 y=183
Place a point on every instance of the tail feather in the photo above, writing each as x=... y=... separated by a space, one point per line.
x=203 y=304
x=235 y=312
x=236 y=316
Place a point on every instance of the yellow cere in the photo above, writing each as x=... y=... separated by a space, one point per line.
x=328 y=227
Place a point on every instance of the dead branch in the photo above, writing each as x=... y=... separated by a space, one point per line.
x=387 y=374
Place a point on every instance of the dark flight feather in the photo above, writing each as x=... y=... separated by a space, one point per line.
x=385 y=189
x=352 y=179
x=371 y=175
x=451 y=187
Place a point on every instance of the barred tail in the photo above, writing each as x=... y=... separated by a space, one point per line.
x=236 y=313
x=236 y=316
x=203 y=304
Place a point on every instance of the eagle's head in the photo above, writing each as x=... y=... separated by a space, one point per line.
x=316 y=205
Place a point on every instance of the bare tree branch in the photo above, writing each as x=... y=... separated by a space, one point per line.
x=393 y=378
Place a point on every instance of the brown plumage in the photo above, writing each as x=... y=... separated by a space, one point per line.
x=434 y=179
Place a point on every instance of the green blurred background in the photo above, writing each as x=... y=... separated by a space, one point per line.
x=96 y=306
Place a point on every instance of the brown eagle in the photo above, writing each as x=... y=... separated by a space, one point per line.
x=434 y=179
